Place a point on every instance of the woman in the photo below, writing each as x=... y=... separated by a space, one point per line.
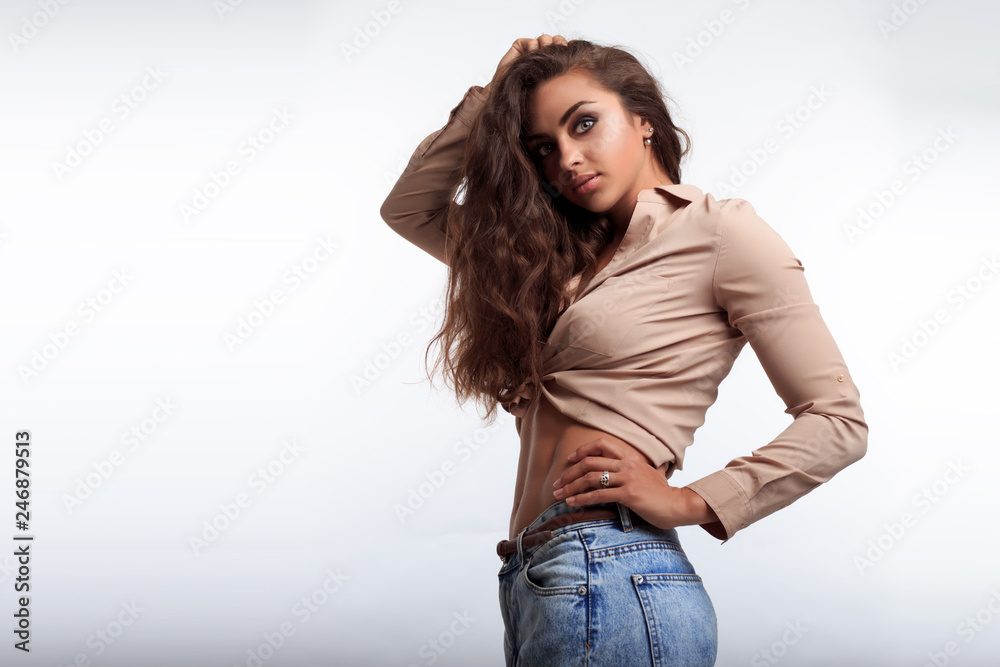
x=602 y=301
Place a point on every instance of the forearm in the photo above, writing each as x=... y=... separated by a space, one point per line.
x=808 y=453
x=416 y=206
x=702 y=514
x=698 y=510
x=761 y=285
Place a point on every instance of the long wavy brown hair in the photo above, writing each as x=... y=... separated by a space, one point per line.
x=514 y=243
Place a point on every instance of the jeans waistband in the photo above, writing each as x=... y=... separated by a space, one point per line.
x=542 y=528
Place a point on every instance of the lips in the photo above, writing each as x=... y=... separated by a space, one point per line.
x=583 y=183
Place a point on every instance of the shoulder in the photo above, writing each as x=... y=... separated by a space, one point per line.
x=737 y=224
x=732 y=221
x=721 y=217
x=698 y=202
x=731 y=211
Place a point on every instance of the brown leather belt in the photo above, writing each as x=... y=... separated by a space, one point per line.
x=544 y=531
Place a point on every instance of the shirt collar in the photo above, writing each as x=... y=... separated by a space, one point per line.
x=685 y=191
x=644 y=218
x=649 y=213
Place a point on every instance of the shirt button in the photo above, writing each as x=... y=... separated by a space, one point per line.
x=840 y=377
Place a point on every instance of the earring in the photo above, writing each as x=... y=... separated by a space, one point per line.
x=649 y=139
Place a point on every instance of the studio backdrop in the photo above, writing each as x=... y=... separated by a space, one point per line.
x=220 y=444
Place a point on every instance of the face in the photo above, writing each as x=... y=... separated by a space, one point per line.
x=577 y=129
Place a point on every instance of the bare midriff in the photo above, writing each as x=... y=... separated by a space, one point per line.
x=547 y=438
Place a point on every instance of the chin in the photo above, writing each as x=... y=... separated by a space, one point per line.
x=600 y=204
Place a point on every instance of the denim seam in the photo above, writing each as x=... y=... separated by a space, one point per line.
x=607 y=552
x=671 y=576
x=556 y=532
x=589 y=616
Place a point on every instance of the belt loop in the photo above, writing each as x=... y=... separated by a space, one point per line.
x=520 y=548
x=626 y=518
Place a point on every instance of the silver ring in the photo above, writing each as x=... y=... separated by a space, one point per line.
x=605 y=478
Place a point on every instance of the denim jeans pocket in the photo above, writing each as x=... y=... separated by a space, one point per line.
x=558 y=566
x=680 y=618
x=508 y=565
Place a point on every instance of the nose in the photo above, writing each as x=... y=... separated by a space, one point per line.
x=569 y=157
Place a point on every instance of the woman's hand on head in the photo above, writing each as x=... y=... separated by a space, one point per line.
x=524 y=45
x=633 y=482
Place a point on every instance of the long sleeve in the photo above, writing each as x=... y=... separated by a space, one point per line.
x=418 y=203
x=761 y=285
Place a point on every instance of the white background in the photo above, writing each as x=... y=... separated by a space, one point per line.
x=114 y=515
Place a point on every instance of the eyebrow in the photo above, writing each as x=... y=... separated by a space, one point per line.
x=562 y=121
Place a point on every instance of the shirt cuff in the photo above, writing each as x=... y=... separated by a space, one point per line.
x=727 y=499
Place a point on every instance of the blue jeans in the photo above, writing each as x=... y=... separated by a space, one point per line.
x=605 y=593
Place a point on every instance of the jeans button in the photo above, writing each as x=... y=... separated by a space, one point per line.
x=582 y=590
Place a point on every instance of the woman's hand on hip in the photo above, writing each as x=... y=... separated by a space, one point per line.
x=633 y=482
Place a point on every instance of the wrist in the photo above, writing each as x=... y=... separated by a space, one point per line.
x=699 y=511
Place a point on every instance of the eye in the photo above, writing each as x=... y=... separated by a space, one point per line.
x=540 y=148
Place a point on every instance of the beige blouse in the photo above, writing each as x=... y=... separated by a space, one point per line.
x=640 y=354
